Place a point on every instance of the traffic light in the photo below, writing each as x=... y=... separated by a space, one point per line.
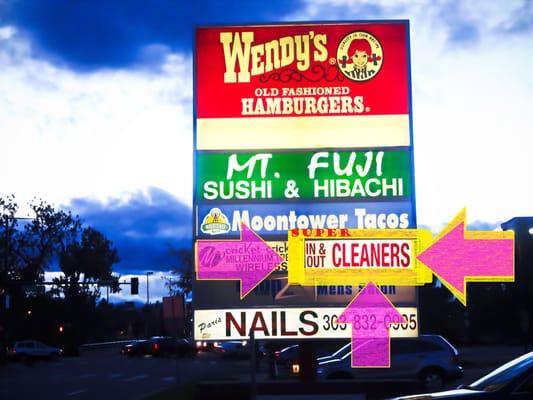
x=61 y=329
x=134 y=285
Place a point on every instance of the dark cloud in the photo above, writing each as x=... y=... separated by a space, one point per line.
x=143 y=229
x=520 y=22
x=426 y=227
x=354 y=12
x=483 y=226
x=461 y=31
x=471 y=226
x=90 y=34
x=360 y=11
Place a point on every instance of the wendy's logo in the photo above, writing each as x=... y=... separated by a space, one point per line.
x=359 y=56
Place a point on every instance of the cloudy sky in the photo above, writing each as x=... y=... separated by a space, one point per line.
x=96 y=108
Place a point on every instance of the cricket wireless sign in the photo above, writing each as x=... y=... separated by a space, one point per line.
x=300 y=127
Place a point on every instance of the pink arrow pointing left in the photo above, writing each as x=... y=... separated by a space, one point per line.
x=249 y=260
x=371 y=315
x=456 y=259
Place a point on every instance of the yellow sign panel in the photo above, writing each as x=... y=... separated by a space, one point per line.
x=358 y=256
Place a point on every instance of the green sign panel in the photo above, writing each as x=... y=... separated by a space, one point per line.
x=303 y=175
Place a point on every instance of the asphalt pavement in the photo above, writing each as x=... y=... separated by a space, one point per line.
x=105 y=374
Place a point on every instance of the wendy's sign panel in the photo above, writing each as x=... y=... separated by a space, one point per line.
x=299 y=126
x=302 y=70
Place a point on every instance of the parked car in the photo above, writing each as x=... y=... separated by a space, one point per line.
x=29 y=350
x=287 y=355
x=186 y=347
x=338 y=353
x=238 y=349
x=290 y=354
x=429 y=359
x=232 y=349
x=202 y=345
x=513 y=381
x=136 y=348
x=162 y=346
x=159 y=346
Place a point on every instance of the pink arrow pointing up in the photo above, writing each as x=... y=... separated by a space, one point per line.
x=371 y=315
x=249 y=260
x=459 y=256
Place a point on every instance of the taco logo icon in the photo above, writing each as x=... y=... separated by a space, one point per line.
x=359 y=56
x=215 y=223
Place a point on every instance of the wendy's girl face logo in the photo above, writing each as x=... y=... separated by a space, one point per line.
x=359 y=56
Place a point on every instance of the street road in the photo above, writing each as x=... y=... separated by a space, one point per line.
x=105 y=374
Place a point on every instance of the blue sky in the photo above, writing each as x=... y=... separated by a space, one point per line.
x=96 y=108
x=89 y=35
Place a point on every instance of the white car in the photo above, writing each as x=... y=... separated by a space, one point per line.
x=429 y=359
x=27 y=350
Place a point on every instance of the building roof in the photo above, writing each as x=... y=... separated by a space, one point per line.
x=518 y=224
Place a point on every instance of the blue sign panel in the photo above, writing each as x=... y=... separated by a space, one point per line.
x=275 y=219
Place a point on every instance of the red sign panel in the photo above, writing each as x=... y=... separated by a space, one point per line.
x=302 y=70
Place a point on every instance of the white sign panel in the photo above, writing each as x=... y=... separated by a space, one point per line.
x=286 y=323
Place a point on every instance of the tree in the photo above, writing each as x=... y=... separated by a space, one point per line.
x=89 y=260
x=29 y=251
x=183 y=284
x=8 y=227
x=184 y=272
x=29 y=246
